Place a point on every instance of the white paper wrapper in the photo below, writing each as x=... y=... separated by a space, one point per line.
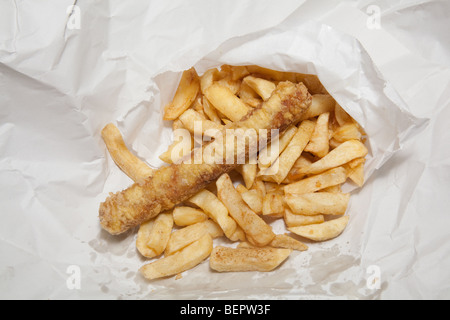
x=123 y=66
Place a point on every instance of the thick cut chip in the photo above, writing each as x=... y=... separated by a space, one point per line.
x=185 y=95
x=180 y=148
x=343 y=154
x=180 y=261
x=295 y=220
x=224 y=100
x=249 y=96
x=318 y=203
x=280 y=241
x=216 y=210
x=342 y=117
x=238 y=72
x=208 y=79
x=196 y=123
x=323 y=231
x=287 y=242
x=273 y=205
x=187 y=235
x=321 y=103
x=256 y=229
x=186 y=216
x=210 y=111
x=153 y=235
x=270 y=154
x=248 y=172
x=320 y=141
x=315 y=183
x=280 y=169
x=356 y=171
x=262 y=87
x=225 y=259
x=349 y=131
x=131 y=165
x=253 y=199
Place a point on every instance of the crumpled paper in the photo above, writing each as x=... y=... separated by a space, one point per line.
x=123 y=65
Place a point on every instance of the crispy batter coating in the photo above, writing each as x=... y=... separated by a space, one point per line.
x=172 y=185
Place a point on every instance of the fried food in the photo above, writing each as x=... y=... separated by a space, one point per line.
x=184 y=97
x=174 y=184
x=183 y=260
x=153 y=235
x=323 y=231
x=257 y=231
x=131 y=165
x=224 y=259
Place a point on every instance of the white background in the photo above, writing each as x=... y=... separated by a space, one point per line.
x=59 y=86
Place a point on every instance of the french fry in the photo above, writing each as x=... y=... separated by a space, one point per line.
x=253 y=199
x=131 y=165
x=241 y=189
x=274 y=188
x=280 y=169
x=225 y=259
x=226 y=102
x=260 y=186
x=262 y=87
x=296 y=220
x=197 y=106
x=280 y=241
x=183 y=260
x=287 y=242
x=248 y=172
x=226 y=121
x=153 y=235
x=333 y=189
x=177 y=124
x=318 y=203
x=349 y=131
x=321 y=103
x=343 y=154
x=195 y=122
x=185 y=95
x=273 y=205
x=257 y=231
x=216 y=210
x=239 y=72
x=232 y=85
x=269 y=155
x=356 y=171
x=186 y=216
x=323 y=231
x=187 y=235
x=208 y=78
x=210 y=111
x=319 y=144
x=295 y=174
x=179 y=148
x=334 y=143
x=318 y=182
x=342 y=117
x=249 y=96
